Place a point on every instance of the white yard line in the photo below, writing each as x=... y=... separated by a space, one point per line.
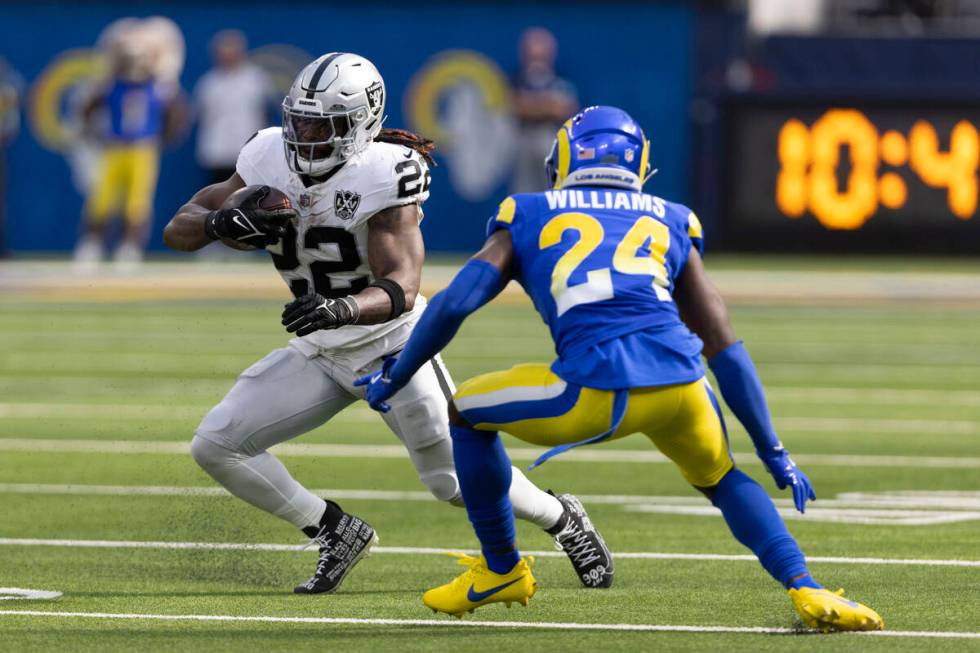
x=916 y=509
x=198 y=491
x=412 y=550
x=41 y=410
x=520 y=454
x=878 y=396
x=816 y=395
x=825 y=513
x=903 y=500
x=22 y=594
x=858 y=425
x=446 y=623
x=787 y=372
x=862 y=396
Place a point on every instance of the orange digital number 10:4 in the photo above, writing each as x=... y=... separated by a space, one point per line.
x=809 y=158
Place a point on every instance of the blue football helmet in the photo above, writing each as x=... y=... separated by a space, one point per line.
x=599 y=146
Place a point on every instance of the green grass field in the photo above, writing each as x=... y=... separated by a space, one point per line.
x=877 y=400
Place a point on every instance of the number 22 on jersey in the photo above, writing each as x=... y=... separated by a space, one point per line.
x=630 y=257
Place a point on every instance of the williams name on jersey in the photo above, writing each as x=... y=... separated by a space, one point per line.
x=326 y=250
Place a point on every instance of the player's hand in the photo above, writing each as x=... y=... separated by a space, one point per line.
x=786 y=474
x=313 y=312
x=380 y=387
x=249 y=223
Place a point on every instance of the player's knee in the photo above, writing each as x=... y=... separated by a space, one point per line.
x=217 y=421
x=710 y=490
x=456 y=418
x=215 y=427
x=208 y=455
x=444 y=486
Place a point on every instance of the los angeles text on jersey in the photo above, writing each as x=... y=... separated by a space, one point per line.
x=605 y=199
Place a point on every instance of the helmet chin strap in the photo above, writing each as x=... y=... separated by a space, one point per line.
x=347 y=151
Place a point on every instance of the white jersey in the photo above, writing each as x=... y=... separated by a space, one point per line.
x=328 y=253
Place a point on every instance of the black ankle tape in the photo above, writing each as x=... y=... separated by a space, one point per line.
x=328 y=522
x=559 y=525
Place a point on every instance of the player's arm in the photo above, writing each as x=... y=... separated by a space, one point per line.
x=185 y=232
x=202 y=220
x=704 y=311
x=479 y=281
x=396 y=253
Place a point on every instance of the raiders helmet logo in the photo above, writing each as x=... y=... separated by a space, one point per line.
x=345 y=203
x=375 y=97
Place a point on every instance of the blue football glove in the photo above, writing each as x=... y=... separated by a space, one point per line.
x=380 y=387
x=785 y=472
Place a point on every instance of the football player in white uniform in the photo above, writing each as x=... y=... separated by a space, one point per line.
x=351 y=252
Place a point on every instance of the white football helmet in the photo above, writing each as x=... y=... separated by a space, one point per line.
x=334 y=110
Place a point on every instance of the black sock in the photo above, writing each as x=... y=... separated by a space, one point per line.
x=559 y=525
x=328 y=522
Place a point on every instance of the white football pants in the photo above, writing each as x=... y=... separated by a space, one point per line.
x=287 y=394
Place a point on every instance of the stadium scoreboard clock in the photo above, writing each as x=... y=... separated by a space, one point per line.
x=808 y=175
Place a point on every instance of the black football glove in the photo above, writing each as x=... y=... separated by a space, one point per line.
x=249 y=223
x=313 y=312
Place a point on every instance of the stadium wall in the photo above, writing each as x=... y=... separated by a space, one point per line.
x=637 y=56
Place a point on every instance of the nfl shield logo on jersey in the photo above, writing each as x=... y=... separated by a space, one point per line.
x=345 y=203
x=305 y=200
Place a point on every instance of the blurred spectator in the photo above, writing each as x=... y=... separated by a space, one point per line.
x=10 y=90
x=232 y=100
x=140 y=106
x=542 y=102
x=774 y=16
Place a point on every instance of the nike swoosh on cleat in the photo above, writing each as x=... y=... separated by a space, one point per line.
x=475 y=596
x=845 y=601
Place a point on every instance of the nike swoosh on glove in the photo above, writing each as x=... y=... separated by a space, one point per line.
x=380 y=387
x=786 y=474
x=313 y=312
x=249 y=223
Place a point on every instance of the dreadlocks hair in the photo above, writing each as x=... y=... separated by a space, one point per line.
x=411 y=140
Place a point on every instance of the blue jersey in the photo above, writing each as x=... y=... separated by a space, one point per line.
x=135 y=111
x=600 y=265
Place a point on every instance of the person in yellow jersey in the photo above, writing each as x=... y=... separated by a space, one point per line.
x=616 y=274
x=135 y=113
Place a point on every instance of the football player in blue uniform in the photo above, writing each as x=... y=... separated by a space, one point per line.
x=617 y=276
x=141 y=113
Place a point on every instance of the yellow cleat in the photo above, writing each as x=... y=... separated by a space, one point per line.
x=478 y=586
x=825 y=610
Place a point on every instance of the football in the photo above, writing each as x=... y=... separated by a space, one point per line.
x=276 y=199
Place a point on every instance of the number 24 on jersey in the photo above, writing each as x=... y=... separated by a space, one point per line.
x=627 y=259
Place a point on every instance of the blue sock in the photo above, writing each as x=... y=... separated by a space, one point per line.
x=806 y=580
x=754 y=522
x=484 y=478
